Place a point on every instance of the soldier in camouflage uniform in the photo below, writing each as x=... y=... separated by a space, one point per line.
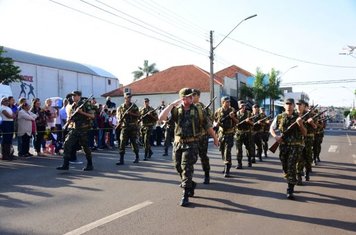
x=188 y=119
x=265 y=131
x=243 y=134
x=226 y=120
x=80 y=124
x=306 y=158
x=256 y=133
x=149 y=118
x=168 y=135
x=291 y=144
x=204 y=138
x=127 y=121
x=318 y=139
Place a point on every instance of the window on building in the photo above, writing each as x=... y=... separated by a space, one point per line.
x=109 y=82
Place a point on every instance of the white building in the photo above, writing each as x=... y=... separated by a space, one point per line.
x=45 y=77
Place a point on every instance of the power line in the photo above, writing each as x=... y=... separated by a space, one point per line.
x=318 y=82
x=124 y=27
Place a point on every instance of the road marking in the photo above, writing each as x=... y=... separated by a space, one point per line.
x=348 y=138
x=108 y=219
x=332 y=148
x=354 y=156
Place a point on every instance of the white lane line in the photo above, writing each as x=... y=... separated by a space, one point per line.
x=108 y=219
x=332 y=148
x=348 y=138
x=354 y=156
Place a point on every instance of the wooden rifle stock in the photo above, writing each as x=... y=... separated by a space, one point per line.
x=243 y=121
x=274 y=146
x=125 y=113
x=65 y=126
x=147 y=113
x=263 y=119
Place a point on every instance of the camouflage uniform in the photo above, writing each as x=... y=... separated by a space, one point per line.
x=146 y=130
x=78 y=134
x=187 y=132
x=318 y=139
x=203 y=144
x=243 y=137
x=256 y=138
x=226 y=133
x=129 y=130
x=168 y=136
x=291 y=147
x=265 y=134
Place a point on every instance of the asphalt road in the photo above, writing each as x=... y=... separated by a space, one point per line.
x=143 y=198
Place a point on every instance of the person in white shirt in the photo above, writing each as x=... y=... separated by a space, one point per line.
x=25 y=122
x=7 y=129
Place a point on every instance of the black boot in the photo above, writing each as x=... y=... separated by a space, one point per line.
x=299 y=179
x=249 y=162
x=206 y=177
x=65 y=165
x=260 y=158
x=185 y=199
x=145 y=157
x=307 y=177
x=318 y=158
x=314 y=158
x=290 y=191
x=136 y=159
x=121 y=162
x=227 y=171
x=239 y=164
x=150 y=153
x=89 y=166
x=165 y=152
x=191 y=191
x=253 y=160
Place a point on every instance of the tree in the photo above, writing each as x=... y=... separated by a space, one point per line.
x=146 y=70
x=8 y=71
x=274 y=92
x=259 y=89
x=246 y=92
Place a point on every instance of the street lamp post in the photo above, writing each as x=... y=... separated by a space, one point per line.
x=211 y=57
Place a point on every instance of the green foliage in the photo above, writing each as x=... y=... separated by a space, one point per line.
x=8 y=71
x=246 y=92
x=346 y=112
x=146 y=70
x=353 y=114
x=259 y=89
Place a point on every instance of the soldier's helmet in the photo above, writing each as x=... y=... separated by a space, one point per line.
x=185 y=92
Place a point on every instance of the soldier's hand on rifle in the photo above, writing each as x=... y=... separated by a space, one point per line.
x=278 y=138
x=299 y=121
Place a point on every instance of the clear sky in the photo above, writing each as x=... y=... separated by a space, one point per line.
x=120 y=34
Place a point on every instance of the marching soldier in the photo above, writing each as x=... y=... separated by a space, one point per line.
x=291 y=144
x=188 y=119
x=149 y=118
x=127 y=115
x=204 y=138
x=80 y=123
x=256 y=133
x=226 y=120
x=306 y=158
x=265 y=131
x=318 y=139
x=243 y=134
x=168 y=127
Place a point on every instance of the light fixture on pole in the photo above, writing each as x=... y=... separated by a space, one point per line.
x=211 y=57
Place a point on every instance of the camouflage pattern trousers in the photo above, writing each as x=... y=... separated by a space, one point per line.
x=289 y=155
x=203 y=152
x=257 y=144
x=184 y=158
x=146 y=132
x=226 y=143
x=128 y=133
x=306 y=158
x=265 y=137
x=318 y=139
x=243 y=138
x=73 y=138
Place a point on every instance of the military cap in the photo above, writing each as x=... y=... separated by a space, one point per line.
x=255 y=106
x=79 y=93
x=147 y=100
x=289 y=101
x=184 y=92
x=127 y=94
x=225 y=98
x=196 y=92
x=301 y=101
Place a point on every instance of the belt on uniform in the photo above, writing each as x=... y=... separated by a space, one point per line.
x=178 y=139
x=311 y=135
x=229 y=132
x=242 y=131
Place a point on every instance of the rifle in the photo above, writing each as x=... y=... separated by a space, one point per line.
x=211 y=102
x=319 y=114
x=75 y=112
x=147 y=113
x=123 y=116
x=243 y=121
x=274 y=147
x=262 y=119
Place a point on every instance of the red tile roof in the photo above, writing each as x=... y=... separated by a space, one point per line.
x=230 y=72
x=168 y=81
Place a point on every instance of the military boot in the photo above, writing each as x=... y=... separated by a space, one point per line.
x=185 y=199
x=145 y=157
x=260 y=158
x=290 y=191
x=314 y=160
x=253 y=160
x=239 y=164
x=206 y=177
x=65 y=165
x=191 y=191
x=89 y=166
x=299 y=179
x=165 y=152
x=249 y=162
x=136 y=159
x=121 y=162
x=307 y=177
x=227 y=170
x=150 y=153
x=317 y=157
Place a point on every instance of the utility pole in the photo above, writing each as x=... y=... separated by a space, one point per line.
x=211 y=57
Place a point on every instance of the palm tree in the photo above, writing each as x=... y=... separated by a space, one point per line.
x=146 y=70
x=246 y=92
x=259 y=89
x=274 y=92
